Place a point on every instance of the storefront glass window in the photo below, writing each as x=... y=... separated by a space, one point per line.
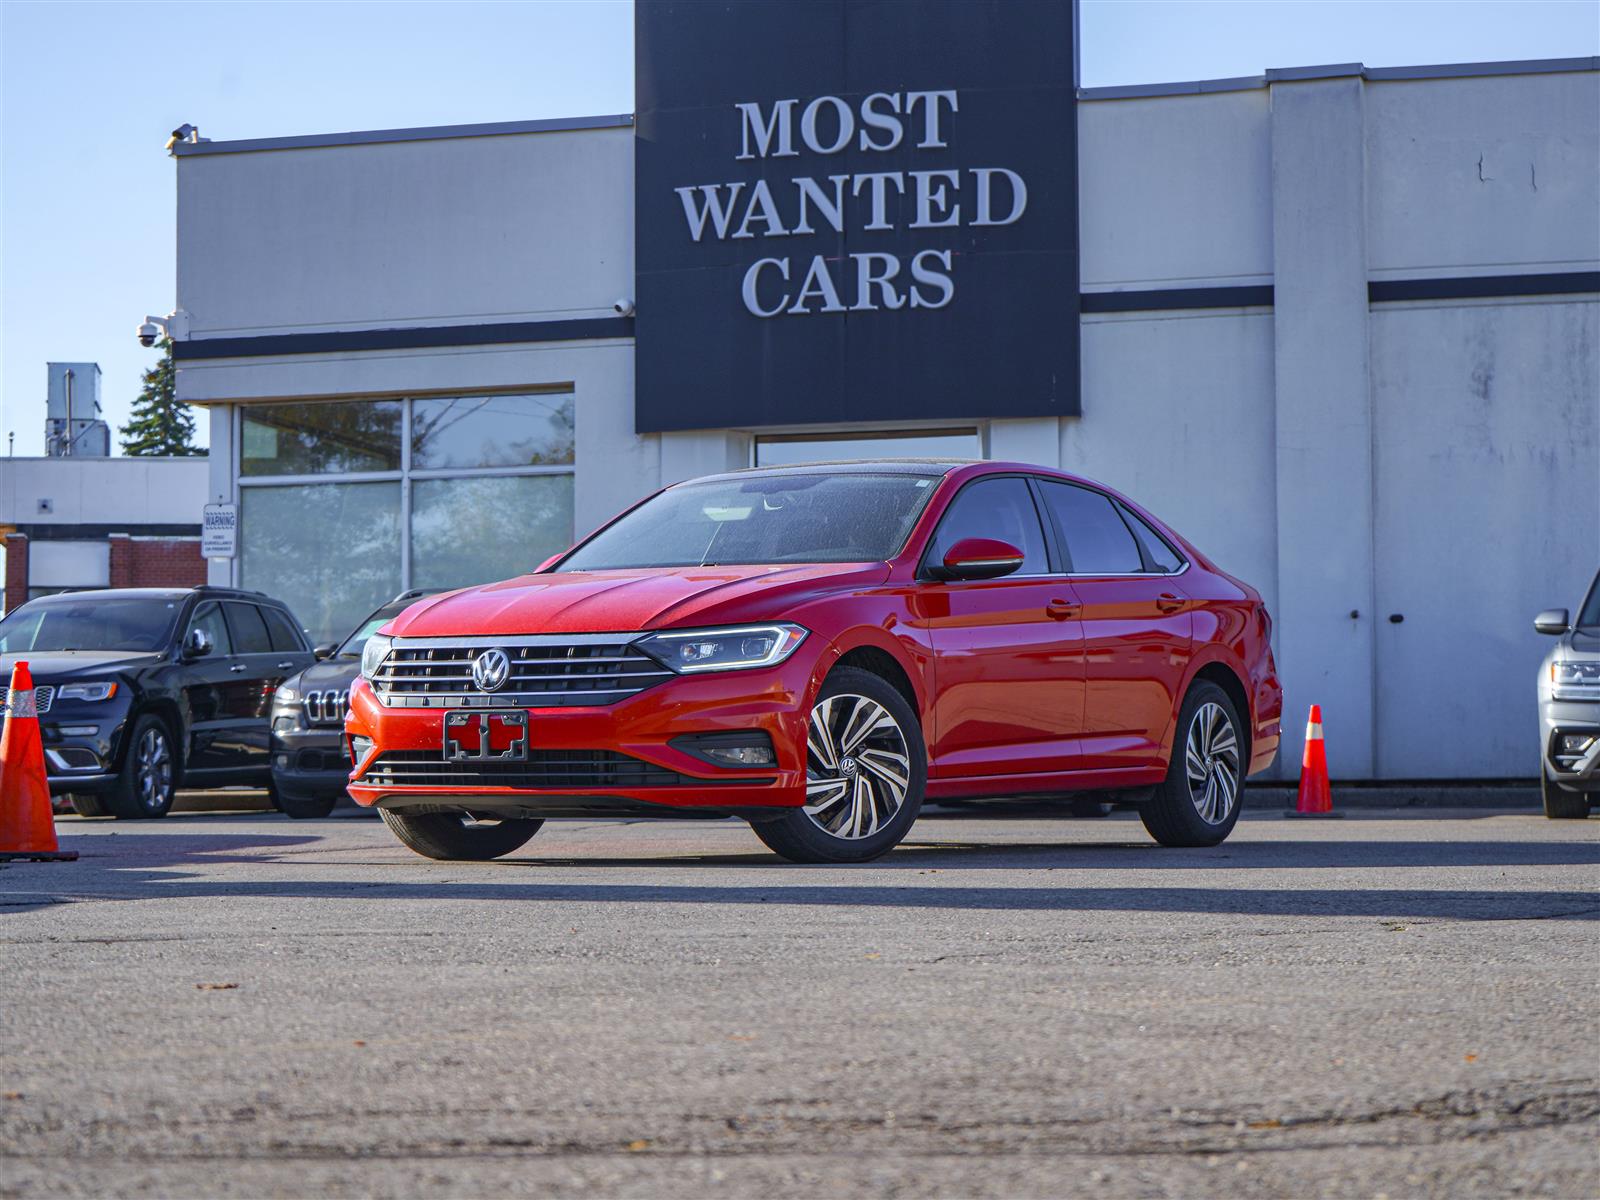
x=486 y=482
x=331 y=551
x=925 y=443
x=320 y=438
x=528 y=430
x=466 y=531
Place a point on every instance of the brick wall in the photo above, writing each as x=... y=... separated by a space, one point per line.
x=16 y=570
x=156 y=562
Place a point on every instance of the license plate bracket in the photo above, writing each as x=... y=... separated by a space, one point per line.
x=486 y=735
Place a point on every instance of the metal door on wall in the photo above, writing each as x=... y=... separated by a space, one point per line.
x=1487 y=508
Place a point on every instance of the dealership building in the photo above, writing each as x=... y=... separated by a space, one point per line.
x=1339 y=326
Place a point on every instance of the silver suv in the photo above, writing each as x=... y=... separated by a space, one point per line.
x=1569 y=709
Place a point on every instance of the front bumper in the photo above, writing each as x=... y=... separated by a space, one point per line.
x=312 y=761
x=774 y=700
x=1561 y=717
x=76 y=759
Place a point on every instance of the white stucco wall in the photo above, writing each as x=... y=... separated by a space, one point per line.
x=103 y=491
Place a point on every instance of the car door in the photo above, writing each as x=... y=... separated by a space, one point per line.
x=210 y=692
x=1008 y=666
x=1136 y=624
x=258 y=673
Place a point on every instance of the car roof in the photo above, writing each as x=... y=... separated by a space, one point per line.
x=159 y=593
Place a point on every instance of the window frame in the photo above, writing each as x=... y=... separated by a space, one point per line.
x=1117 y=506
x=1053 y=550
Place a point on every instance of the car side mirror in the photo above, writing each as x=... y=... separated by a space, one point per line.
x=1552 y=621
x=198 y=644
x=324 y=651
x=978 y=558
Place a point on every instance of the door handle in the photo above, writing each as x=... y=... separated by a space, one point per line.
x=237 y=667
x=284 y=666
x=1061 y=610
x=1168 y=603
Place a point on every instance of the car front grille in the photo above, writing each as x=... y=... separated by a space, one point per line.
x=546 y=672
x=327 y=707
x=543 y=770
x=43 y=697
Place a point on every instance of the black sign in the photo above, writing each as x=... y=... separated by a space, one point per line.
x=851 y=210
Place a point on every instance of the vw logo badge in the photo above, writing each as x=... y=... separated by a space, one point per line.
x=491 y=670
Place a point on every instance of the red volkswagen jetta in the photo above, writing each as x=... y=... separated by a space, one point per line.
x=818 y=649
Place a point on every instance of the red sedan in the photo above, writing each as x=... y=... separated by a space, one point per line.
x=818 y=649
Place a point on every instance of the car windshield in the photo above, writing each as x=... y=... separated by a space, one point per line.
x=805 y=517
x=353 y=644
x=1589 y=615
x=142 y=624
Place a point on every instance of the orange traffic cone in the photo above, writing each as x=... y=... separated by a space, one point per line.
x=27 y=826
x=1316 y=797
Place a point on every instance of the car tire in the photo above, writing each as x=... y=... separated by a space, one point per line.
x=85 y=804
x=301 y=808
x=1559 y=803
x=1198 y=802
x=147 y=783
x=451 y=837
x=879 y=776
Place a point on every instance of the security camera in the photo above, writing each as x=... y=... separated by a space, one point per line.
x=623 y=307
x=150 y=330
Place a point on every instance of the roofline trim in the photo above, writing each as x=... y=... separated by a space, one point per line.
x=426 y=133
x=1245 y=83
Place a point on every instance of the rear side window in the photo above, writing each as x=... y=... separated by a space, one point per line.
x=1162 y=557
x=281 y=630
x=1098 y=542
x=249 y=630
x=994 y=508
x=209 y=617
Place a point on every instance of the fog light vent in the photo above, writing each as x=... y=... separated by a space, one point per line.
x=736 y=748
x=360 y=747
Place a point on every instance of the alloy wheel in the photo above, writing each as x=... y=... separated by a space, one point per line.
x=858 y=766
x=1211 y=761
x=153 y=767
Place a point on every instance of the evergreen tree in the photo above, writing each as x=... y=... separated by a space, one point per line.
x=159 y=424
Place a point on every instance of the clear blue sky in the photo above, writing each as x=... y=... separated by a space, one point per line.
x=91 y=90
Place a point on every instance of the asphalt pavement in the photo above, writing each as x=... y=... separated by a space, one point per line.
x=1392 y=1004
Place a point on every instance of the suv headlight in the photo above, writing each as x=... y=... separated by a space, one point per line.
x=742 y=648
x=1578 y=680
x=373 y=654
x=86 y=691
x=286 y=695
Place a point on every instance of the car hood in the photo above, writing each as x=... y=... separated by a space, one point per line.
x=631 y=600
x=51 y=666
x=334 y=674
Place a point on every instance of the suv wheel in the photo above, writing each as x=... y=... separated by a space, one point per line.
x=146 y=784
x=866 y=768
x=454 y=836
x=86 y=804
x=1198 y=802
x=1559 y=803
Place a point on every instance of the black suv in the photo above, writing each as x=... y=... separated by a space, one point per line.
x=144 y=690
x=310 y=764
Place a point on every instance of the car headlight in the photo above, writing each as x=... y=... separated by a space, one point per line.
x=737 y=649
x=373 y=654
x=287 y=695
x=1575 y=680
x=86 y=691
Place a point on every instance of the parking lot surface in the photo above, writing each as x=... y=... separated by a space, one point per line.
x=1389 y=1004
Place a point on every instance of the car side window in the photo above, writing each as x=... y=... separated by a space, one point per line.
x=281 y=630
x=249 y=630
x=1098 y=542
x=208 y=617
x=995 y=508
x=1163 y=559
